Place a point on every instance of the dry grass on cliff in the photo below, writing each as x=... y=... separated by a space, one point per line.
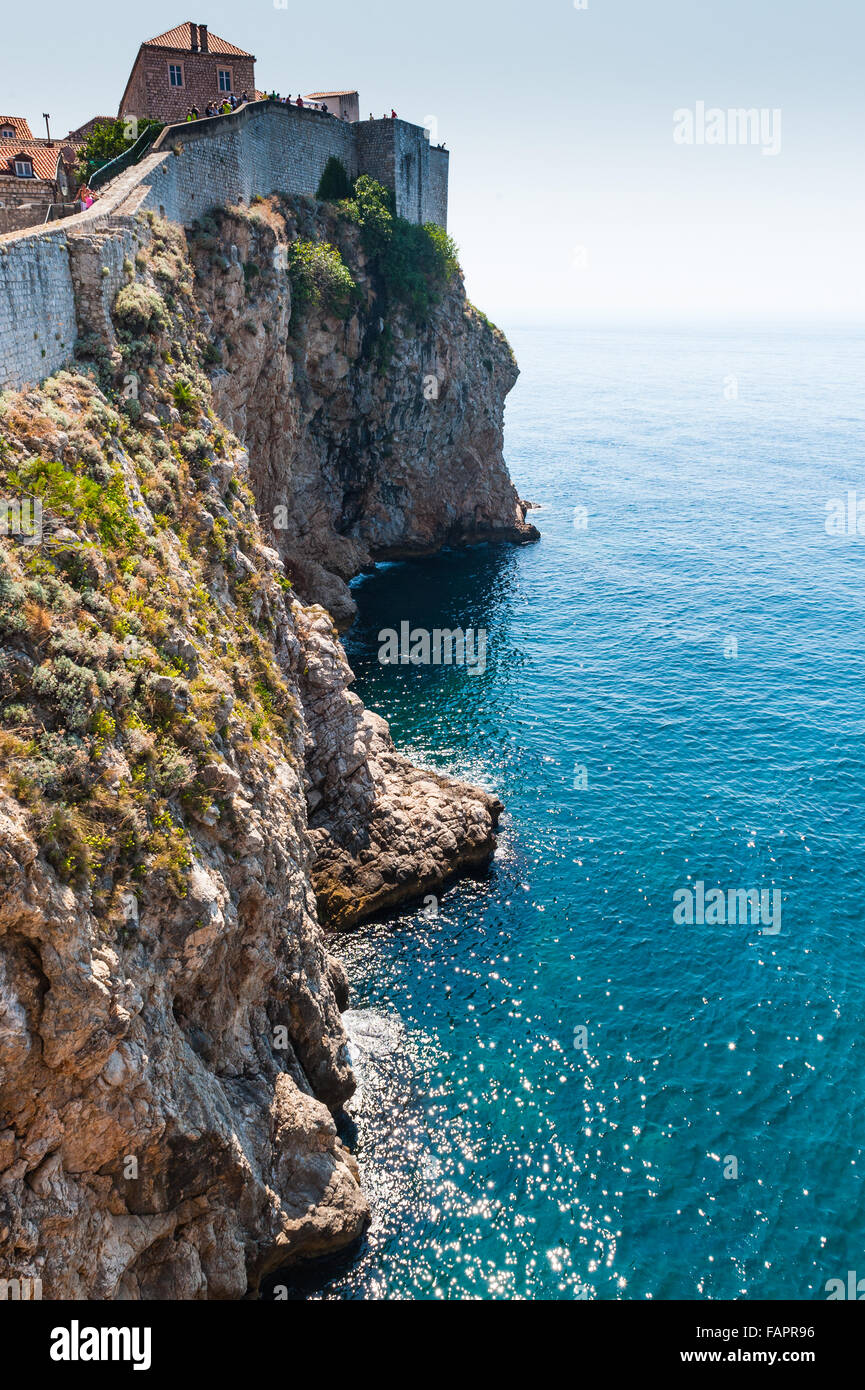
x=137 y=638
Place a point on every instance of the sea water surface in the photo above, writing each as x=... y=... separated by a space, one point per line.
x=674 y=693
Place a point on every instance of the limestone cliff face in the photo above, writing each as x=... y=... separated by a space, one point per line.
x=170 y=1039
x=370 y=438
x=189 y=790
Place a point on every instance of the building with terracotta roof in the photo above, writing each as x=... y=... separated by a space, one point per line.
x=81 y=132
x=14 y=128
x=36 y=180
x=186 y=66
x=346 y=105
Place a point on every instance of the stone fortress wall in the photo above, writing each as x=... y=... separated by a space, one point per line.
x=56 y=281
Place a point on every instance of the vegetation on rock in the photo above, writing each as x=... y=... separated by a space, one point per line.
x=138 y=636
x=321 y=279
x=334 y=184
x=413 y=263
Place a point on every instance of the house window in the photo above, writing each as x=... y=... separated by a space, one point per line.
x=175 y=74
x=7 y=132
x=224 y=79
x=23 y=169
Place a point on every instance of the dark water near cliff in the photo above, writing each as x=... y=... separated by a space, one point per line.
x=502 y=1160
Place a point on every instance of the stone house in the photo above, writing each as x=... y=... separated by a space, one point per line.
x=14 y=128
x=186 y=66
x=36 y=177
x=346 y=105
x=80 y=134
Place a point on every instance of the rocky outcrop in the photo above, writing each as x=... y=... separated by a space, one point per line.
x=381 y=829
x=369 y=438
x=171 y=1047
x=189 y=789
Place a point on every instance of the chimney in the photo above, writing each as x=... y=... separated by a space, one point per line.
x=202 y=37
x=193 y=37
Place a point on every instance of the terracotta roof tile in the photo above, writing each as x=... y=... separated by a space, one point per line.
x=317 y=96
x=22 y=129
x=181 y=39
x=44 y=158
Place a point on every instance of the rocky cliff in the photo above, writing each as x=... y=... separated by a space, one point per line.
x=190 y=791
x=371 y=436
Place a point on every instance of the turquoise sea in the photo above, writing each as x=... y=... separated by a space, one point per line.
x=698 y=649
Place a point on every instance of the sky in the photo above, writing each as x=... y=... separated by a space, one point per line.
x=571 y=201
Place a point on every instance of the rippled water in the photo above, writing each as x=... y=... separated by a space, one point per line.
x=502 y=1160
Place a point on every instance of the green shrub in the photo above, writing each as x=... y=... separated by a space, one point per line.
x=334 y=185
x=184 y=397
x=106 y=141
x=414 y=264
x=373 y=209
x=445 y=253
x=139 y=310
x=320 y=278
x=80 y=500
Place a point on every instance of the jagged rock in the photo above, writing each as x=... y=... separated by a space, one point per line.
x=180 y=646
x=220 y=779
x=172 y=1052
x=170 y=692
x=351 y=464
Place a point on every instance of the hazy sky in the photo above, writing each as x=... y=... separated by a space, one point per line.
x=569 y=197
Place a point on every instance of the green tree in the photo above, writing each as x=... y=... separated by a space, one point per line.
x=334 y=185
x=106 y=141
x=414 y=264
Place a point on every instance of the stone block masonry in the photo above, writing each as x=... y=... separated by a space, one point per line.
x=96 y=264
x=260 y=149
x=57 y=285
x=149 y=91
x=400 y=156
x=37 y=308
x=268 y=148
